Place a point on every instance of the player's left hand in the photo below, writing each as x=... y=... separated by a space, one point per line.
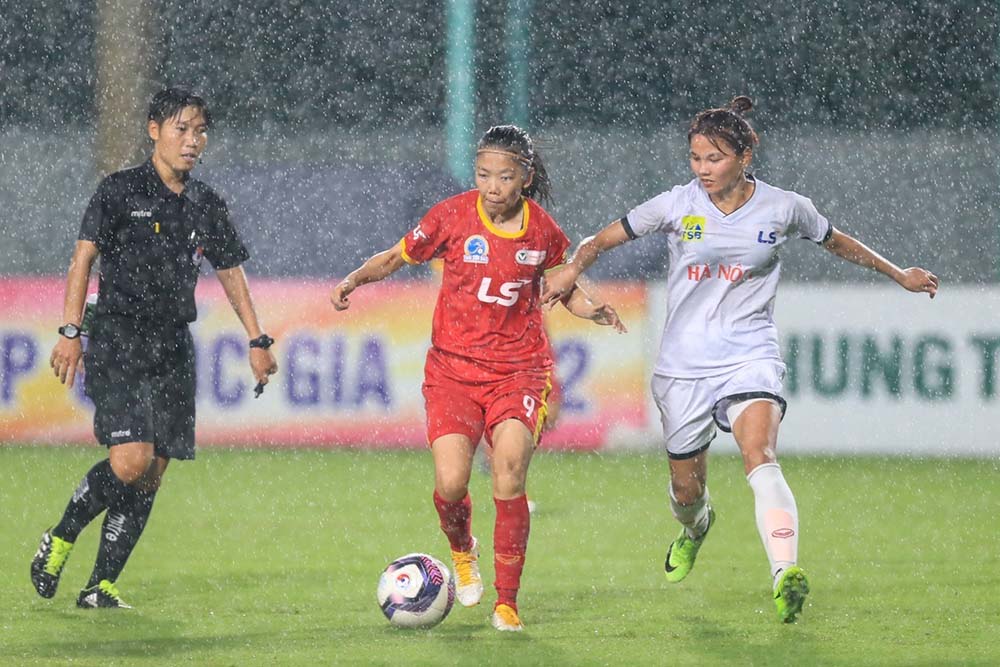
x=916 y=279
x=605 y=315
x=559 y=284
x=263 y=364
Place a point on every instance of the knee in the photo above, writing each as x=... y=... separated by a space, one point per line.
x=756 y=454
x=131 y=467
x=452 y=485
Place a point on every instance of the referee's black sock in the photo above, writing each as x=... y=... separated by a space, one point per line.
x=89 y=500
x=123 y=525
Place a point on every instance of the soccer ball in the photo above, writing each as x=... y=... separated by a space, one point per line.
x=416 y=591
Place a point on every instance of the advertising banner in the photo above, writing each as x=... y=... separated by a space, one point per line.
x=881 y=370
x=870 y=370
x=878 y=370
x=345 y=379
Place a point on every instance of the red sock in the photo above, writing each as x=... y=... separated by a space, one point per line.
x=456 y=521
x=510 y=541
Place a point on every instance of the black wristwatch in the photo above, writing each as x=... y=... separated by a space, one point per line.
x=70 y=331
x=262 y=341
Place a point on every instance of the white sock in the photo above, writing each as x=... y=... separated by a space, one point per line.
x=777 y=516
x=693 y=517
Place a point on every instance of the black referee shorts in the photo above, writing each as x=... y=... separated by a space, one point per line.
x=141 y=379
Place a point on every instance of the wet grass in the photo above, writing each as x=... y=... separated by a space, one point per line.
x=271 y=558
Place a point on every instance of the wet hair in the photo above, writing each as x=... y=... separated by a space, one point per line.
x=512 y=139
x=727 y=124
x=171 y=101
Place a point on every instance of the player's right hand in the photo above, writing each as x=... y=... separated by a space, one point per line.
x=607 y=316
x=339 y=297
x=67 y=359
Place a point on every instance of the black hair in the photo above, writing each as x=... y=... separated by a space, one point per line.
x=171 y=101
x=728 y=124
x=514 y=139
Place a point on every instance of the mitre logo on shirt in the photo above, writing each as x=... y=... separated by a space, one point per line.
x=530 y=257
x=694 y=228
x=477 y=250
x=141 y=214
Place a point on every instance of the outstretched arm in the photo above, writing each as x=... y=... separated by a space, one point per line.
x=561 y=284
x=583 y=305
x=378 y=267
x=914 y=279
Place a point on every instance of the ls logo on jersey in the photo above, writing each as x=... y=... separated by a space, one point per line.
x=530 y=257
x=694 y=228
x=477 y=250
x=770 y=239
x=509 y=292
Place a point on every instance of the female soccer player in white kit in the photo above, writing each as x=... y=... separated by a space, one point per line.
x=719 y=362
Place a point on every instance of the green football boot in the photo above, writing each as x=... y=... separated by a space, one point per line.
x=790 y=593
x=48 y=563
x=104 y=595
x=683 y=550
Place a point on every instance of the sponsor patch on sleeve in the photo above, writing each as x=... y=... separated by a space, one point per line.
x=530 y=257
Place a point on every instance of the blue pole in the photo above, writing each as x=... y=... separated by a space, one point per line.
x=518 y=49
x=460 y=93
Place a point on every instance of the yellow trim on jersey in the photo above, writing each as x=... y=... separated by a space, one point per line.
x=543 y=412
x=402 y=249
x=485 y=219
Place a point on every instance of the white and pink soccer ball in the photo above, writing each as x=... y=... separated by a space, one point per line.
x=416 y=591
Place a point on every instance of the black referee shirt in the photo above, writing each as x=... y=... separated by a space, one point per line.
x=152 y=241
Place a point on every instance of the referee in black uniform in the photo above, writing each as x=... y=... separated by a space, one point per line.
x=151 y=225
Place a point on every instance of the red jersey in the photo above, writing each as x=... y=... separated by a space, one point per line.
x=487 y=309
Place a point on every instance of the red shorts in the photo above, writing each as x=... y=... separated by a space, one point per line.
x=464 y=397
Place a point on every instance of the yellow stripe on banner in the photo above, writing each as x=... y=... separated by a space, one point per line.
x=402 y=249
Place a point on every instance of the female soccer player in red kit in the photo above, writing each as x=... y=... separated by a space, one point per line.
x=489 y=366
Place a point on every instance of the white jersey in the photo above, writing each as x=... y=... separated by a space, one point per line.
x=723 y=273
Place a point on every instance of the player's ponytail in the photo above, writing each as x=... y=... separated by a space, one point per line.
x=513 y=139
x=728 y=124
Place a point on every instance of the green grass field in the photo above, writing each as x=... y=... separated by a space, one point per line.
x=272 y=558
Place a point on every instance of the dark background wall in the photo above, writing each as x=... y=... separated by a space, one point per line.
x=329 y=116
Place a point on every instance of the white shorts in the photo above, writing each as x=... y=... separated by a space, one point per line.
x=691 y=408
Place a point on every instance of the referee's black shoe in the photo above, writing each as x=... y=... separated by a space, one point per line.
x=102 y=596
x=48 y=563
